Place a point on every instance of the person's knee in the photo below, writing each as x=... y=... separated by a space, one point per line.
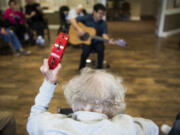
x=100 y=48
x=85 y=52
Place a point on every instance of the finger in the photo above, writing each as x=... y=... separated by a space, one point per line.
x=45 y=61
x=46 y=65
x=57 y=69
x=41 y=69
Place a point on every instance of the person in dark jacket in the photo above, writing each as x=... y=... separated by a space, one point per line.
x=35 y=20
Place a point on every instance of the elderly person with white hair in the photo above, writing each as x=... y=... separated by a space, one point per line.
x=74 y=12
x=97 y=99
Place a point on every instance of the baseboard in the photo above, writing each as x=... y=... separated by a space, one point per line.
x=148 y=17
x=135 y=18
x=170 y=33
x=53 y=26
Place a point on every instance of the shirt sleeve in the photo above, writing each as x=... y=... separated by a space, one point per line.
x=43 y=98
x=81 y=18
x=148 y=127
x=72 y=14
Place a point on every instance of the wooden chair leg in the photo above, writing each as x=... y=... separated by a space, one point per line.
x=49 y=38
x=3 y=43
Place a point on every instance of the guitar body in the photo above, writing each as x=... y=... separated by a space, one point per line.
x=74 y=38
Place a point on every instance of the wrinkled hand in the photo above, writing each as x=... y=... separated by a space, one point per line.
x=50 y=75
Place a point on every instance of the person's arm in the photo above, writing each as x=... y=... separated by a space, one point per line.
x=111 y=41
x=28 y=16
x=46 y=90
x=71 y=15
x=76 y=26
x=29 y=13
x=105 y=35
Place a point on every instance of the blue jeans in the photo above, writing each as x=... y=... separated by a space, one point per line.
x=10 y=37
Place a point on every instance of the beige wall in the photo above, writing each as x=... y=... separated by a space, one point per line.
x=88 y=6
x=135 y=9
x=149 y=7
x=144 y=7
x=3 y=4
x=54 y=5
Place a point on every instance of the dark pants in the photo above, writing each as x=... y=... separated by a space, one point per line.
x=38 y=26
x=176 y=127
x=20 y=30
x=98 y=48
x=7 y=124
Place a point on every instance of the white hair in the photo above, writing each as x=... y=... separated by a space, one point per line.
x=79 y=6
x=96 y=89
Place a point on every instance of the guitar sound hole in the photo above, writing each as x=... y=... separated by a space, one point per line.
x=85 y=36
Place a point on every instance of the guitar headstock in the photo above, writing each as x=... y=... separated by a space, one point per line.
x=121 y=43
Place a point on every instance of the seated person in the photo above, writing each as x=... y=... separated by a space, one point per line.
x=16 y=21
x=63 y=13
x=97 y=99
x=75 y=12
x=94 y=20
x=7 y=124
x=10 y=37
x=35 y=20
x=174 y=130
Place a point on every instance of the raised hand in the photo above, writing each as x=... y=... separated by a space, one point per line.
x=50 y=75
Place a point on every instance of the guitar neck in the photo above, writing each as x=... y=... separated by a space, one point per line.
x=116 y=42
x=100 y=38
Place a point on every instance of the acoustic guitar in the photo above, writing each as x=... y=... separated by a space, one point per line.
x=74 y=39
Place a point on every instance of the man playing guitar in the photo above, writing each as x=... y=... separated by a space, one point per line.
x=96 y=21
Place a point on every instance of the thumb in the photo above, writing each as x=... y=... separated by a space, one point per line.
x=46 y=65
